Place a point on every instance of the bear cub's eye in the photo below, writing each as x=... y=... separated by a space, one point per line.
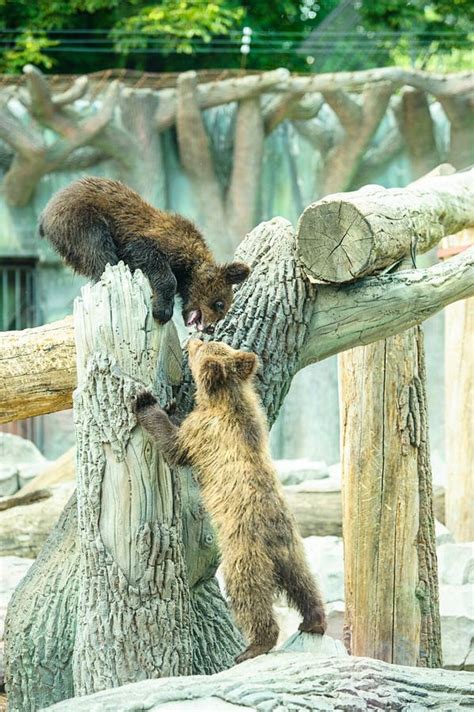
x=218 y=305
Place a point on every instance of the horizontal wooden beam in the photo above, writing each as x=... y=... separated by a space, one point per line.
x=37 y=370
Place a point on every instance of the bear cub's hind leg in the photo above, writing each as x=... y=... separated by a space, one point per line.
x=302 y=591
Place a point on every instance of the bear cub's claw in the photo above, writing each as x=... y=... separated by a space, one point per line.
x=143 y=400
x=171 y=407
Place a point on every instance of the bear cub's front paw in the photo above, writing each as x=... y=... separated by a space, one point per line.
x=162 y=312
x=143 y=400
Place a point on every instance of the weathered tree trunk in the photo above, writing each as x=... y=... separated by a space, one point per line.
x=146 y=172
x=459 y=110
x=346 y=236
x=133 y=592
x=293 y=681
x=389 y=546
x=459 y=395
x=360 y=122
x=418 y=131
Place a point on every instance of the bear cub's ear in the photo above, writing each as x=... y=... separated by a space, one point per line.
x=236 y=272
x=214 y=374
x=246 y=364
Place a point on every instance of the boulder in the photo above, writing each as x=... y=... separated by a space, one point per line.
x=442 y=533
x=293 y=472
x=456 y=563
x=9 y=480
x=457 y=626
x=22 y=459
x=24 y=529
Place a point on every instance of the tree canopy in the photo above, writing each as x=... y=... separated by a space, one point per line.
x=76 y=36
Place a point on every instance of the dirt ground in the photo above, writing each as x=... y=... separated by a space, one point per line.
x=3 y=702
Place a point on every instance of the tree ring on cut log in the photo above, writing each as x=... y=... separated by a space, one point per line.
x=334 y=241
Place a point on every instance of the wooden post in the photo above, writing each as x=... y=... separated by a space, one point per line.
x=391 y=587
x=133 y=608
x=459 y=394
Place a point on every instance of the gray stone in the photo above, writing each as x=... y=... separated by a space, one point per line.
x=24 y=457
x=9 y=480
x=18 y=451
x=442 y=533
x=12 y=570
x=457 y=624
x=326 y=559
x=26 y=473
x=456 y=563
x=293 y=472
x=25 y=528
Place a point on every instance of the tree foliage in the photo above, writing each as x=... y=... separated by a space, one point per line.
x=172 y=35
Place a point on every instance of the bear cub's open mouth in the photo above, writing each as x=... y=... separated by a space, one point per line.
x=195 y=319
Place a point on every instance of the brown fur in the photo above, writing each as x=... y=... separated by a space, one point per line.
x=226 y=439
x=95 y=221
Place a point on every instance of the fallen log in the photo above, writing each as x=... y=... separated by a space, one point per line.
x=37 y=373
x=350 y=235
x=292 y=680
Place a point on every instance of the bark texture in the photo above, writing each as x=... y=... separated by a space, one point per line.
x=346 y=236
x=294 y=681
x=392 y=610
x=156 y=585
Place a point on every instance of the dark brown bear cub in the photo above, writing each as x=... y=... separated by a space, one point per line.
x=96 y=221
x=225 y=438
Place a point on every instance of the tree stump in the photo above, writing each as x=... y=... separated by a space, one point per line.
x=391 y=582
x=133 y=592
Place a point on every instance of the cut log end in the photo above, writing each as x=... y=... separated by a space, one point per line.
x=334 y=241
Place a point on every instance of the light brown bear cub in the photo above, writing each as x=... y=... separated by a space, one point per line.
x=225 y=438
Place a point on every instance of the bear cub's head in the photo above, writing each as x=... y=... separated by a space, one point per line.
x=210 y=294
x=216 y=366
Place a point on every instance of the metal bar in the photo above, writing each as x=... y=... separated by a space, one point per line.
x=17 y=273
x=5 y=299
